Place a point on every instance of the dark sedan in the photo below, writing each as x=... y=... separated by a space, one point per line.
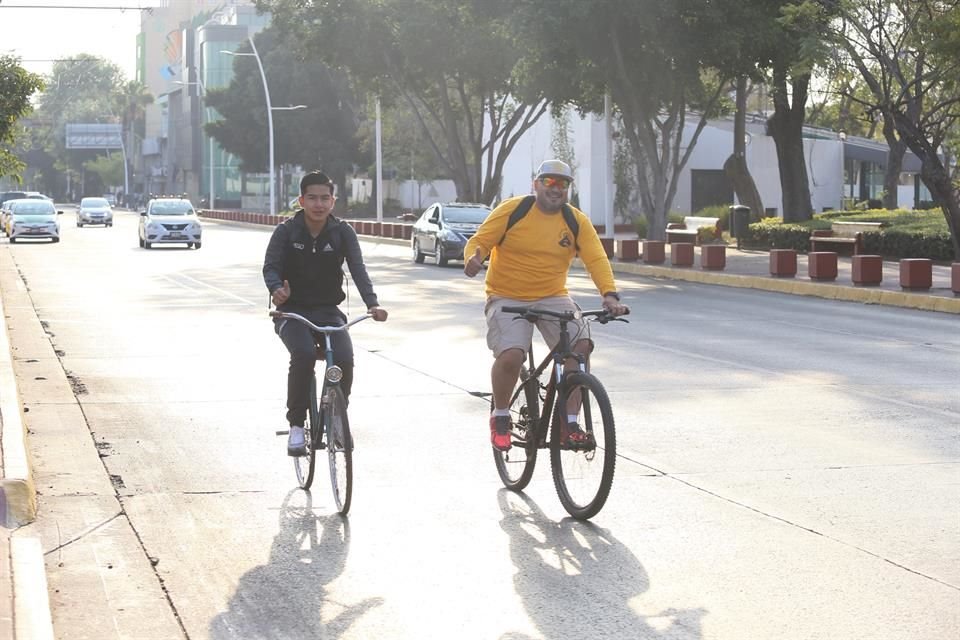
x=444 y=228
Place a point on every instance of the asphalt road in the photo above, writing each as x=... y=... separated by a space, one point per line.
x=788 y=466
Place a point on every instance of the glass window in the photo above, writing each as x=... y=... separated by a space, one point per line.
x=465 y=215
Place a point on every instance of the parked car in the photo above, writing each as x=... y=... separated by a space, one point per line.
x=444 y=228
x=94 y=211
x=33 y=218
x=5 y=197
x=169 y=220
x=38 y=196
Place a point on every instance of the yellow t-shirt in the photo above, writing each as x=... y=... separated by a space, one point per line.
x=535 y=256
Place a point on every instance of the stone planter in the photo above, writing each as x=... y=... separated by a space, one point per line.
x=822 y=265
x=681 y=254
x=627 y=250
x=867 y=270
x=713 y=257
x=653 y=251
x=783 y=263
x=607 y=246
x=916 y=274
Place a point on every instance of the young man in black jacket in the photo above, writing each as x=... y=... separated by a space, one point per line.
x=303 y=271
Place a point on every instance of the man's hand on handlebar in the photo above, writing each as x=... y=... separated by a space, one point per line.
x=379 y=313
x=614 y=306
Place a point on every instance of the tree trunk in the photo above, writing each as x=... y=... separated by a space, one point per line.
x=895 y=152
x=736 y=167
x=785 y=126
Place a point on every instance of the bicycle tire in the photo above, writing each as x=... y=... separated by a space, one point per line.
x=305 y=465
x=515 y=467
x=339 y=448
x=583 y=478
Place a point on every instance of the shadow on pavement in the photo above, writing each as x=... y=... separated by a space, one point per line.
x=577 y=580
x=286 y=598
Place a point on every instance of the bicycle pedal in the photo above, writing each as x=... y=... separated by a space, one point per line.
x=283 y=433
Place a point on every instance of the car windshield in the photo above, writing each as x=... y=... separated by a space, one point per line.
x=33 y=208
x=465 y=215
x=171 y=208
x=94 y=202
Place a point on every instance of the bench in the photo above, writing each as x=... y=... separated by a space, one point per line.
x=690 y=229
x=842 y=234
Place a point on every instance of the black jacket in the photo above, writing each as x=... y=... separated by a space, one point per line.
x=314 y=266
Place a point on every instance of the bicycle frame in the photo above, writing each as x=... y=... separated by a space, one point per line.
x=558 y=357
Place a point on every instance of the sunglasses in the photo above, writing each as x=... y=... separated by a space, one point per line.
x=550 y=181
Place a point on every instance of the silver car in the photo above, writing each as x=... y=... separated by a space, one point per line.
x=33 y=219
x=169 y=220
x=95 y=211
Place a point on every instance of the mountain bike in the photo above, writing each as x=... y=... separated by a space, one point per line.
x=582 y=474
x=327 y=424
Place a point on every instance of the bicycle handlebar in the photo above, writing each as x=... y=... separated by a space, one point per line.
x=532 y=314
x=299 y=318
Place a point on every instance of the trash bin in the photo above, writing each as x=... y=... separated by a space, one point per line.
x=739 y=219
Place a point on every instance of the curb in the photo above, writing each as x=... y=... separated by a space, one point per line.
x=798 y=287
x=31 y=604
x=18 y=496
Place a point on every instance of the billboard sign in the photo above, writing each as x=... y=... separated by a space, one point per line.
x=94 y=136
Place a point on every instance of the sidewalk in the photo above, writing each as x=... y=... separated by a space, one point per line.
x=24 y=601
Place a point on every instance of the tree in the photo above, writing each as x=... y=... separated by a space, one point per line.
x=451 y=61
x=324 y=135
x=80 y=89
x=649 y=56
x=908 y=53
x=17 y=85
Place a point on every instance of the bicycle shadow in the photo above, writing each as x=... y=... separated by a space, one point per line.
x=577 y=581
x=286 y=598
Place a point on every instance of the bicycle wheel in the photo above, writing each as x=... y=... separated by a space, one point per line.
x=515 y=466
x=304 y=465
x=583 y=477
x=339 y=448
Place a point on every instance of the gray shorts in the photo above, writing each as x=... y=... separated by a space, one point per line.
x=507 y=331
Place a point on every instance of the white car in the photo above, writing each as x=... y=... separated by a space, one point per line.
x=169 y=220
x=95 y=211
x=33 y=219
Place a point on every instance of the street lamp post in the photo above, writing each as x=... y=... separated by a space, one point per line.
x=203 y=91
x=270 y=110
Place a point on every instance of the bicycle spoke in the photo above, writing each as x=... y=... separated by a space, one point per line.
x=583 y=474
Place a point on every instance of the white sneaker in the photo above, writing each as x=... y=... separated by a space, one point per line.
x=296 y=442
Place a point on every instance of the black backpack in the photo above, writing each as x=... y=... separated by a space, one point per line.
x=524 y=207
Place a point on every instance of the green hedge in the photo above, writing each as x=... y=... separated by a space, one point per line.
x=906 y=234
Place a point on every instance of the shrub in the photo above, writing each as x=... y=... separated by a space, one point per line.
x=721 y=211
x=906 y=233
x=640 y=224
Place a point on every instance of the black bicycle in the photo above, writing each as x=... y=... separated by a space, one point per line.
x=327 y=424
x=582 y=471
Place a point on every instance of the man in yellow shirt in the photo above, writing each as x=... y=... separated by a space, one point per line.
x=529 y=264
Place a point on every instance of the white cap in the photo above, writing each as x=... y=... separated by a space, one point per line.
x=554 y=168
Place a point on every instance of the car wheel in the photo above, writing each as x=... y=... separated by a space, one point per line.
x=417 y=254
x=196 y=245
x=55 y=240
x=12 y=240
x=78 y=224
x=140 y=240
x=440 y=259
x=147 y=245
